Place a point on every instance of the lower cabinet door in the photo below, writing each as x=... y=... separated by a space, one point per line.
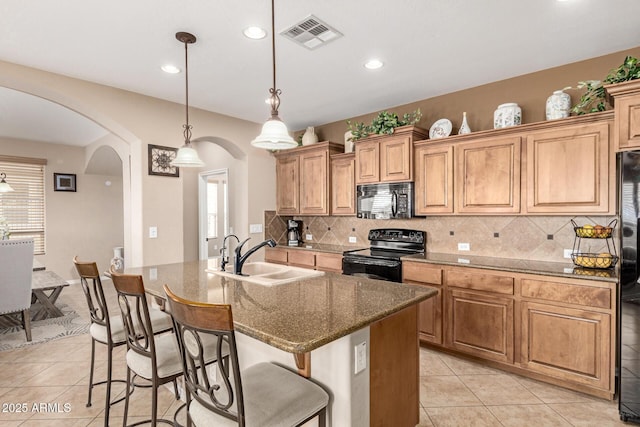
x=430 y=319
x=480 y=324
x=567 y=343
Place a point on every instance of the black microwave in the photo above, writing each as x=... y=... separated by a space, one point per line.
x=385 y=201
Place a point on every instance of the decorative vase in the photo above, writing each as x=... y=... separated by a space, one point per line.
x=558 y=105
x=117 y=262
x=309 y=136
x=506 y=115
x=348 y=143
x=464 y=127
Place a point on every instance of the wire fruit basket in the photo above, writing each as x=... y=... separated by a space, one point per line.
x=591 y=260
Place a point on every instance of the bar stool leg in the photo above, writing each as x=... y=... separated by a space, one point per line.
x=107 y=405
x=126 y=399
x=93 y=359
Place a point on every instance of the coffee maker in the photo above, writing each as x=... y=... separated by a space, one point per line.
x=294 y=232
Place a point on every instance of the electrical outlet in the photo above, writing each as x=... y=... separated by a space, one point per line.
x=464 y=247
x=309 y=237
x=352 y=239
x=153 y=273
x=153 y=232
x=255 y=228
x=567 y=253
x=360 y=352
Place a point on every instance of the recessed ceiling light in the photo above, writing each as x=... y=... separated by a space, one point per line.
x=171 y=69
x=255 y=33
x=373 y=64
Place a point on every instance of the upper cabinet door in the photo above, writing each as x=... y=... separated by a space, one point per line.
x=287 y=179
x=367 y=162
x=314 y=183
x=569 y=170
x=626 y=101
x=487 y=176
x=343 y=186
x=396 y=160
x=434 y=180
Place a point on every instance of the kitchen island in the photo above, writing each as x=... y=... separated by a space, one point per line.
x=314 y=325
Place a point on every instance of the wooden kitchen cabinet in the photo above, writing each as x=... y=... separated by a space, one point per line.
x=387 y=158
x=568 y=330
x=303 y=186
x=479 y=313
x=288 y=182
x=433 y=179
x=625 y=98
x=429 y=311
x=277 y=255
x=343 y=184
x=567 y=343
x=487 y=176
x=557 y=329
x=323 y=261
x=571 y=170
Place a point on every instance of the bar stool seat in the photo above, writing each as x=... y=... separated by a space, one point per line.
x=160 y=320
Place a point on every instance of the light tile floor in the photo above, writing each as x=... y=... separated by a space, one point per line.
x=453 y=391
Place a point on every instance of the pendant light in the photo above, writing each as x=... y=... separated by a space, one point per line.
x=187 y=156
x=274 y=135
x=4 y=185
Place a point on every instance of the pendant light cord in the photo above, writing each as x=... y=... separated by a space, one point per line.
x=275 y=93
x=187 y=126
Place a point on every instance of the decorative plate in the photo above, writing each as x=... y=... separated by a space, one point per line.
x=440 y=129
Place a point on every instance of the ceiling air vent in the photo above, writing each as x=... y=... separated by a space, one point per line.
x=311 y=32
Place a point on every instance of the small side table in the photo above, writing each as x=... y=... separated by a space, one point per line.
x=46 y=287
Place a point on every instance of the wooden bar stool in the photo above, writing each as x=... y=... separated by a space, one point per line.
x=262 y=395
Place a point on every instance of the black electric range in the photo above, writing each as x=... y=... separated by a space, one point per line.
x=381 y=260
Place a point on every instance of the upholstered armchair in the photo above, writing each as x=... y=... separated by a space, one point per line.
x=16 y=269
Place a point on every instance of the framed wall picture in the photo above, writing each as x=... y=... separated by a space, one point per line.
x=64 y=182
x=160 y=161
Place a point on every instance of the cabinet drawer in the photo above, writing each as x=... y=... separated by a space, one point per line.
x=302 y=258
x=418 y=272
x=276 y=255
x=480 y=281
x=569 y=293
x=329 y=262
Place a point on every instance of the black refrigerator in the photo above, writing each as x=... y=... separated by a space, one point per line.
x=628 y=354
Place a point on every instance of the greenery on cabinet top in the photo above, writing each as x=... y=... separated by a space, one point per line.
x=383 y=124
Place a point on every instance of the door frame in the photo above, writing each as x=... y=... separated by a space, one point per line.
x=203 y=178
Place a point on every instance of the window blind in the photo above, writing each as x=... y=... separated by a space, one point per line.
x=24 y=207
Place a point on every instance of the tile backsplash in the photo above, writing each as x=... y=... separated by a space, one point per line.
x=539 y=238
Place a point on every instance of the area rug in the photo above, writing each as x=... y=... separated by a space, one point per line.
x=12 y=334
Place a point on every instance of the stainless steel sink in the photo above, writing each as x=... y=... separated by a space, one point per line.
x=268 y=274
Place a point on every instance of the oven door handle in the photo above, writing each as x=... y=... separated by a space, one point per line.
x=372 y=261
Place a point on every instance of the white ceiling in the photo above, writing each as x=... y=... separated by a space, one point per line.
x=429 y=47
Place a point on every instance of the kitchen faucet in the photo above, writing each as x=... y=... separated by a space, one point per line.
x=238 y=262
x=225 y=259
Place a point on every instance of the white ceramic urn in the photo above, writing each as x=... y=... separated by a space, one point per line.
x=309 y=136
x=558 y=105
x=509 y=114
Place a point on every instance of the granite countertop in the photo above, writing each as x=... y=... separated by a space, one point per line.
x=546 y=268
x=557 y=269
x=296 y=317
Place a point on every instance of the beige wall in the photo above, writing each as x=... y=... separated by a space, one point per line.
x=87 y=223
x=530 y=91
x=138 y=120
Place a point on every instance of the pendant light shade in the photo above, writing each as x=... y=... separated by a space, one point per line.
x=187 y=156
x=274 y=135
x=4 y=185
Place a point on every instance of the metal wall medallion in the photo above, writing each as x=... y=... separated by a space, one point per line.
x=160 y=161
